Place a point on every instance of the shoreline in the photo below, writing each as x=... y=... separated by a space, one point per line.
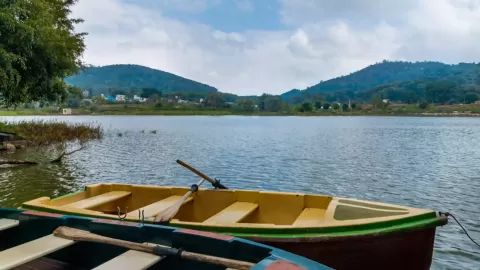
x=227 y=113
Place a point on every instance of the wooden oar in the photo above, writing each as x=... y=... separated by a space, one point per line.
x=81 y=235
x=167 y=214
x=215 y=182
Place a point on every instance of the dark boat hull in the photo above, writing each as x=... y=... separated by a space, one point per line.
x=408 y=250
x=27 y=242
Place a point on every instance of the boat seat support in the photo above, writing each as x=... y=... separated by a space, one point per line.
x=6 y=223
x=132 y=259
x=157 y=207
x=236 y=212
x=32 y=250
x=310 y=216
x=99 y=199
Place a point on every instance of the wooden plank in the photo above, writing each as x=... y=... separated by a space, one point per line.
x=6 y=223
x=32 y=250
x=157 y=207
x=99 y=199
x=310 y=216
x=132 y=260
x=236 y=212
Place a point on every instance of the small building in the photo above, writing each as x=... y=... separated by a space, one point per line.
x=139 y=99
x=120 y=98
x=385 y=100
x=86 y=93
x=66 y=111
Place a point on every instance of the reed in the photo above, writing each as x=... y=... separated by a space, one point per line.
x=41 y=132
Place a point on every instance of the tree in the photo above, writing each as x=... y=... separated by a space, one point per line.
x=471 y=97
x=326 y=106
x=307 y=107
x=215 y=100
x=335 y=106
x=246 y=105
x=377 y=101
x=344 y=107
x=299 y=108
x=38 y=49
x=149 y=92
x=270 y=103
x=423 y=105
x=98 y=100
x=119 y=92
x=318 y=105
x=353 y=106
x=439 y=92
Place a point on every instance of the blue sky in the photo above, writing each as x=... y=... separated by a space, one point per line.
x=234 y=16
x=271 y=46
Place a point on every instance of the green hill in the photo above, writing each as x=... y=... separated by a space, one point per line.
x=134 y=77
x=397 y=80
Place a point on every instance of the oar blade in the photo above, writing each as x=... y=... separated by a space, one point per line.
x=166 y=215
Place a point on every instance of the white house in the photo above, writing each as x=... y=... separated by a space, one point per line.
x=85 y=93
x=67 y=111
x=139 y=99
x=120 y=98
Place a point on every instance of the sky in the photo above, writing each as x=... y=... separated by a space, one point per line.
x=250 y=47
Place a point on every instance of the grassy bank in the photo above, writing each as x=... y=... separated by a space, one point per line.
x=41 y=132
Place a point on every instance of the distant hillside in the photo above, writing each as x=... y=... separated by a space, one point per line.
x=400 y=79
x=134 y=77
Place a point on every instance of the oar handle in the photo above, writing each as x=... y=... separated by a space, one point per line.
x=215 y=182
x=81 y=235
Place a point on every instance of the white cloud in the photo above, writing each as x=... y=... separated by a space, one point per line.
x=327 y=39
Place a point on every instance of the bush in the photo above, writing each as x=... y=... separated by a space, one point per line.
x=51 y=132
x=423 y=105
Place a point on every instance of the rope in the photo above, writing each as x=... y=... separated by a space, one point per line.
x=450 y=215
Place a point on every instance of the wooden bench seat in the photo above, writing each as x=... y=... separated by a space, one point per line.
x=132 y=259
x=157 y=207
x=99 y=199
x=236 y=212
x=32 y=250
x=310 y=216
x=6 y=223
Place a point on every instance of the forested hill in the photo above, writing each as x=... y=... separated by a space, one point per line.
x=401 y=81
x=134 y=77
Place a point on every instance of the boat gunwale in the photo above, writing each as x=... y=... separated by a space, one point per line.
x=421 y=218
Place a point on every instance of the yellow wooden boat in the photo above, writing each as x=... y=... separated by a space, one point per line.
x=338 y=232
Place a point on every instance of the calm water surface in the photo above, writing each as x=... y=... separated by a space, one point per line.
x=420 y=162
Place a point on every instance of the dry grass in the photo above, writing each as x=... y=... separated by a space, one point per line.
x=40 y=132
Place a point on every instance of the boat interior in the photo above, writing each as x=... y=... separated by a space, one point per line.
x=27 y=242
x=221 y=207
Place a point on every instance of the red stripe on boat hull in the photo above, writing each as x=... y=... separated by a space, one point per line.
x=207 y=234
x=283 y=265
x=116 y=222
x=41 y=214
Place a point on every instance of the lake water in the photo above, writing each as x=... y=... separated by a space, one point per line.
x=429 y=163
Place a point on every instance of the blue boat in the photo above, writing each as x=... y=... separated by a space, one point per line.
x=40 y=240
